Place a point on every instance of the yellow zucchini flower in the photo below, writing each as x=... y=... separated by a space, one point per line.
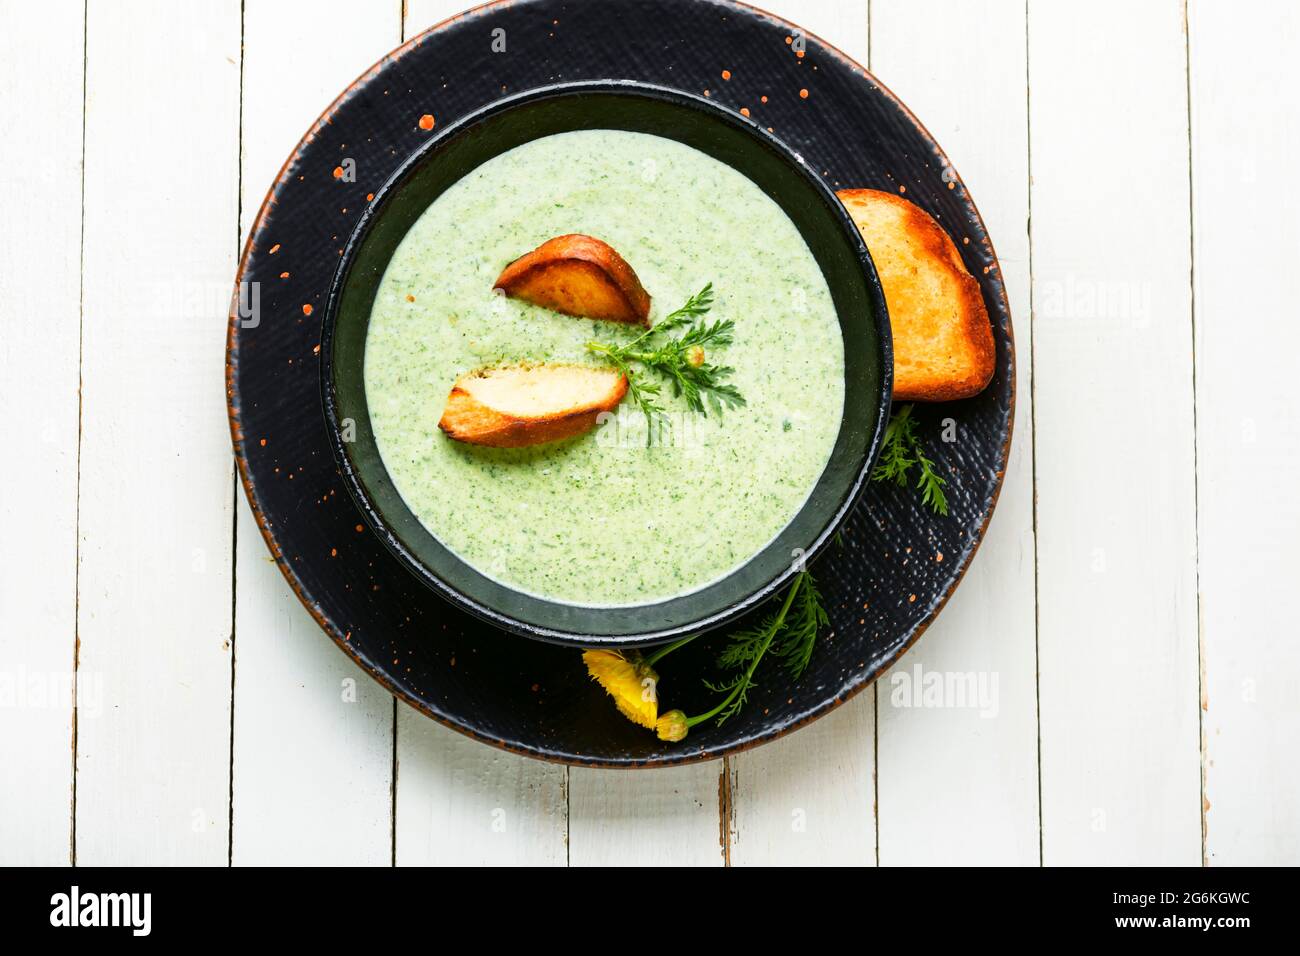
x=629 y=681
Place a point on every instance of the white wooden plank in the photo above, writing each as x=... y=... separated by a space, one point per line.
x=41 y=59
x=666 y=817
x=459 y=801
x=463 y=803
x=1113 y=395
x=319 y=789
x=1248 y=445
x=155 y=520
x=313 y=747
x=810 y=798
x=986 y=633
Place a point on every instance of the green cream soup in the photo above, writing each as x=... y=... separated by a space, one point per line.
x=601 y=519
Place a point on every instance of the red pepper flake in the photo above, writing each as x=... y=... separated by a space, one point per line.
x=726 y=74
x=262 y=443
x=315 y=350
x=306 y=308
x=284 y=275
x=789 y=40
x=744 y=111
x=902 y=189
x=799 y=54
x=359 y=529
x=911 y=599
x=803 y=94
x=426 y=121
x=334 y=552
x=370 y=197
x=762 y=99
x=274 y=249
x=338 y=172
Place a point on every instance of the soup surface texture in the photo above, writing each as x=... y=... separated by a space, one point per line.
x=602 y=519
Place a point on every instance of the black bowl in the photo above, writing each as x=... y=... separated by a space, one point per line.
x=810 y=204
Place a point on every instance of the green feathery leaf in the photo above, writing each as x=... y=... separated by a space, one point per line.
x=790 y=634
x=902 y=449
x=681 y=360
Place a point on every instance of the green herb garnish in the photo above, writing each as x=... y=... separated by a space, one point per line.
x=682 y=360
x=789 y=634
x=903 y=450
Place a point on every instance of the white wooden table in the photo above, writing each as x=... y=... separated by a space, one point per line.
x=1132 y=610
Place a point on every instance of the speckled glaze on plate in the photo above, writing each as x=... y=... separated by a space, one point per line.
x=896 y=563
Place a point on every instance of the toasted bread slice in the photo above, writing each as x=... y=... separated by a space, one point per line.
x=943 y=343
x=578 y=275
x=517 y=405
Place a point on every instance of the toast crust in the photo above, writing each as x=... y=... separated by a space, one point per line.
x=943 y=342
x=519 y=405
x=578 y=275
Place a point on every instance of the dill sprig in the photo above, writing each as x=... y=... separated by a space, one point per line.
x=931 y=485
x=808 y=618
x=902 y=450
x=682 y=360
x=789 y=635
x=896 y=456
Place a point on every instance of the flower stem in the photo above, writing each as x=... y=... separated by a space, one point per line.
x=753 y=664
x=665 y=650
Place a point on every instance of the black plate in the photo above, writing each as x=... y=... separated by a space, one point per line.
x=897 y=563
x=726 y=136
